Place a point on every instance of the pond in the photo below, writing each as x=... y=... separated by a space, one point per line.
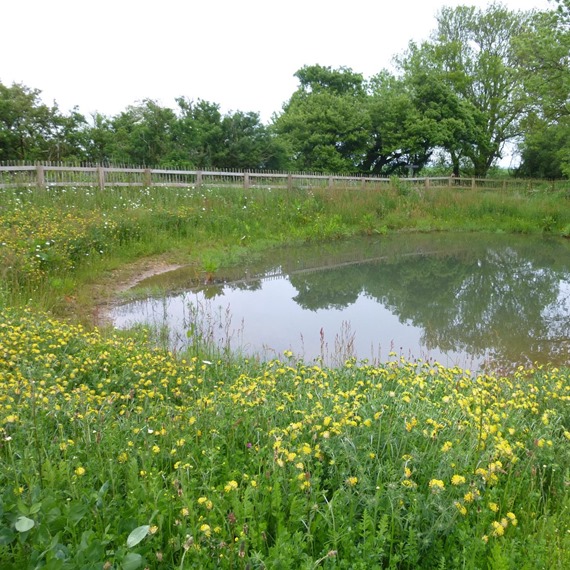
x=474 y=300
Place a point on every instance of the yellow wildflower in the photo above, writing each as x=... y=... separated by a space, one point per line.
x=469 y=497
x=457 y=480
x=205 y=528
x=498 y=529
x=411 y=424
x=460 y=507
x=436 y=485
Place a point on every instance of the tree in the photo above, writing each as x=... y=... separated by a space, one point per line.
x=472 y=61
x=544 y=57
x=143 y=134
x=400 y=136
x=247 y=144
x=26 y=124
x=545 y=149
x=69 y=137
x=100 y=140
x=198 y=132
x=325 y=124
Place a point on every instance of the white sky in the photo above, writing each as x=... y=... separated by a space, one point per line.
x=104 y=55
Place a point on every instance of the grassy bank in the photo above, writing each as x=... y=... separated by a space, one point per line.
x=114 y=454
x=55 y=242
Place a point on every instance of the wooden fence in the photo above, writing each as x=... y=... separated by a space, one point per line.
x=50 y=175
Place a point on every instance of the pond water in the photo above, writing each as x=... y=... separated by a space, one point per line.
x=476 y=301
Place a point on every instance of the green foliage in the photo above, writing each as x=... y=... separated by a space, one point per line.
x=196 y=135
x=325 y=124
x=30 y=130
x=54 y=240
x=115 y=452
x=467 y=80
x=545 y=151
x=335 y=122
x=544 y=56
x=484 y=79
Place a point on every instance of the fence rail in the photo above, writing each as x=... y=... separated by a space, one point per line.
x=50 y=175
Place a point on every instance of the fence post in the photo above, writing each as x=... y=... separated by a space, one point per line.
x=246 y=180
x=473 y=183
x=40 y=176
x=426 y=183
x=101 y=177
x=198 y=178
x=331 y=182
x=147 y=178
x=289 y=181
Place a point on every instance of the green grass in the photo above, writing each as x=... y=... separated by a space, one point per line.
x=116 y=454
x=55 y=242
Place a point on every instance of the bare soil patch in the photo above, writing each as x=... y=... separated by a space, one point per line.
x=105 y=293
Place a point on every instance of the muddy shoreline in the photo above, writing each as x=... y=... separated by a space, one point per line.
x=106 y=294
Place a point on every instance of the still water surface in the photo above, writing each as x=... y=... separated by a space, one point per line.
x=471 y=300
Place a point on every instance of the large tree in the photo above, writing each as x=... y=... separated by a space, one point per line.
x=471 y=61
x=198 y=132
x=402 y=136
x=544 y=57
x=545 y=149
x=247 y=144
x=338 y=122
x=31 y=130
x=325 y=124
x=143 y=134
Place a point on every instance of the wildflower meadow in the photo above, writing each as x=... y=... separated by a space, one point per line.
x=115 y=453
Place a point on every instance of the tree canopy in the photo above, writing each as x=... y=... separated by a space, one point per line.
x=469 y=64
x=544 y=57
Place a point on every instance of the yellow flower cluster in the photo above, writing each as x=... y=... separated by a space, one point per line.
x=155 y=418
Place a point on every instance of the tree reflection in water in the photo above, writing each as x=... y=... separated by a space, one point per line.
x=500 y=298
x=508 y=298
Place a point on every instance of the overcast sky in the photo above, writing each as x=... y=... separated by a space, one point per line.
x=103 y=55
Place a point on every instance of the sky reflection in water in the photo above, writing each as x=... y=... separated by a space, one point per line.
x=468 y=300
